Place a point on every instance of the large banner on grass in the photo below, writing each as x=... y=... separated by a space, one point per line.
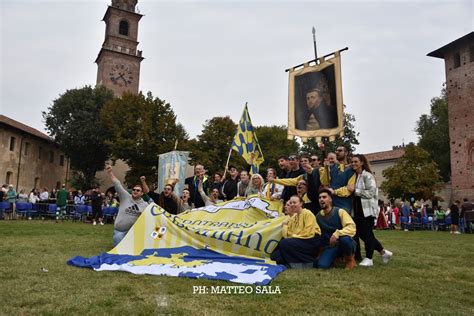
x=228 y=241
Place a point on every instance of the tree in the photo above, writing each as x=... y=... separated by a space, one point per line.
x=211 y=147
x=140 y=128
x=433 y=130
x=348 y=140
x=414 y=175
x=274 y=143
x=73 y=121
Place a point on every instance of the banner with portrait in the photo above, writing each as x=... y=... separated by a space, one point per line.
x=171 y=168
x=315 y=107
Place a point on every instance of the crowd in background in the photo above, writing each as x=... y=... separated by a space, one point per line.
x=333 y=201
x=41 y=198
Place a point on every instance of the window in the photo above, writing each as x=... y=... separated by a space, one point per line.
x=27 y=148
x=471 y=52
x=37 y=182
x=61 y=160
x=40 y=153
x=8 y=177
x=457 y=60
x=123 y=28
x=12 y=143
x=51 y=156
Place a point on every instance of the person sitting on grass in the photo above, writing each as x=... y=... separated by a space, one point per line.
x=131 y=207
x=301 y=237
x=337 y=230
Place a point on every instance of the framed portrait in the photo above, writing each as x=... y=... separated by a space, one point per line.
x=315 y=107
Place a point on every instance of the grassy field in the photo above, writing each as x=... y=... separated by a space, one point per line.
x=431 y=273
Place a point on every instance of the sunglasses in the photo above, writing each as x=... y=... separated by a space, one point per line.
x=292 y=158
x=137 y=190
x=314 y=159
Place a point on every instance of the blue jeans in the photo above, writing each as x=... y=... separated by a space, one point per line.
x=118 y=236
x=345 y=246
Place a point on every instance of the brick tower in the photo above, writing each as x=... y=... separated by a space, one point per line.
x=459 y=64
x=119 y=60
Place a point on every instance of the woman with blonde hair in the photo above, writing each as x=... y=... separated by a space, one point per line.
x=255 y=186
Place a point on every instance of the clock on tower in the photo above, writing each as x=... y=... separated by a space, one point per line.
x=119 y=60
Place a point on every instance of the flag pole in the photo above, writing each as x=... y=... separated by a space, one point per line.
x=227 y=163
x=314 y=43
x=324 y=139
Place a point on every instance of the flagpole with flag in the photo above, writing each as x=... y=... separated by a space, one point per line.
x=246 y=142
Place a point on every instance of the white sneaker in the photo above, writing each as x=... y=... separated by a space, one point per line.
x=366 y=262
x=94 y=223
x=102 y=223
x=405 y=229
x=387 y=256
x=457 y=232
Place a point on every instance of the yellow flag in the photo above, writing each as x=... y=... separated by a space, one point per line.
x=246 y=142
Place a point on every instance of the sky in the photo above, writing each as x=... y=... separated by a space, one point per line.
x=208 y=58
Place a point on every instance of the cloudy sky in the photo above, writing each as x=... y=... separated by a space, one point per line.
x=207 y=58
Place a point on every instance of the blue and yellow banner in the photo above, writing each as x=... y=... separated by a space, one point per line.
x=246 y=142
x=172 y=169
x=229 y=241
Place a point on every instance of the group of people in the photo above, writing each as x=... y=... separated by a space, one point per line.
x=329 y=208
x=40 y=199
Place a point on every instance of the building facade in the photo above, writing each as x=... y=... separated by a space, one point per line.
x=382 y=160
x=29 y=159
x=379 y=161
x=459 y=66
x=119 y=60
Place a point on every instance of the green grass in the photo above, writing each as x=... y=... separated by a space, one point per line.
x=431 y=273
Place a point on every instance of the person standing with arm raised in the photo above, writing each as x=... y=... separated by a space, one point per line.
x=131 y=207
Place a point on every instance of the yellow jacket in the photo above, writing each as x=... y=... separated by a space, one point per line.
x=302 y=225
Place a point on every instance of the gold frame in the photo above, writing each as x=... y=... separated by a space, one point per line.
x=317 y=133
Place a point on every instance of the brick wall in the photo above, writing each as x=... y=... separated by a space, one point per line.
x=460 y=88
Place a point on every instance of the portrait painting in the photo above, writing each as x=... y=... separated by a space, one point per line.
x=315 y=100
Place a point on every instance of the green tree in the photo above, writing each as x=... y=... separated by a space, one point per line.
x=349 y=140
x=433 y=130
x=274 y=143
x=211 y=147
x=140 y=128
x=414 y=175
x=73 y=121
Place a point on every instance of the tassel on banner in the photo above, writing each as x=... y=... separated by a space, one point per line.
x=290 y=137
x=304 y=139
x=332 y=138
x=319 y=139
x=342 y=133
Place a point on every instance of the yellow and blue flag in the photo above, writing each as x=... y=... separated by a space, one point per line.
x=246 y=142
x=230 y=241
